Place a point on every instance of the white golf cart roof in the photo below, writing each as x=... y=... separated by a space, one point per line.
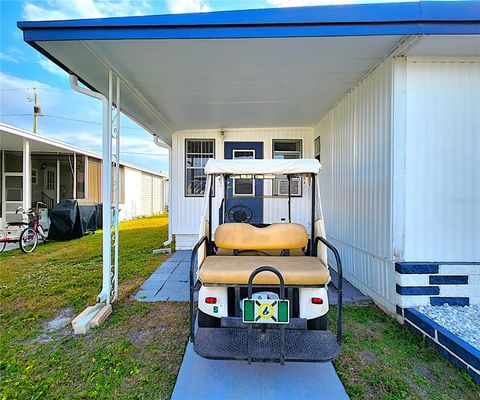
x=262 y=167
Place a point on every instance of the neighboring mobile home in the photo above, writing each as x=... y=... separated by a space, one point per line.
x=386 y=96
x=36 y=168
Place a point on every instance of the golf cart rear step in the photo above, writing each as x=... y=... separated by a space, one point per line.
x=300 y=345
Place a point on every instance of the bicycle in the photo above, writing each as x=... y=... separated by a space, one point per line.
x=30 y=232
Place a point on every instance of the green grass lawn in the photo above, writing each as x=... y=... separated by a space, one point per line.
x=136 y=353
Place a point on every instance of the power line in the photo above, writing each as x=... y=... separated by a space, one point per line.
x=143 y=154
x=68 y=119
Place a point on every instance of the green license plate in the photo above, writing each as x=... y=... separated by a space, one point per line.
x=268 y=311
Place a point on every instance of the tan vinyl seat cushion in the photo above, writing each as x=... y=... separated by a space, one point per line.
x=260 y=252
x=273 y=237
x=236 y=270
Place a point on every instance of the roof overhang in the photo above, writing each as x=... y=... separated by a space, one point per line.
x=238 y=69
x=12 y=138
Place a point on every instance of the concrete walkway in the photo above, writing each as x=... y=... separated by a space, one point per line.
x=204 y=379
x=11 y=246
x=170 y=282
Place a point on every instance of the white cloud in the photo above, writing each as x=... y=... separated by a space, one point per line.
x=72 y=9
x=87 y=140
x=188 y=6
x=82 y=128
x=52 y=68
x=8 y=58
x=15 y=91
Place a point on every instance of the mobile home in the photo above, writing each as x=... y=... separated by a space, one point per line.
x=386 y=96
x=36 y=168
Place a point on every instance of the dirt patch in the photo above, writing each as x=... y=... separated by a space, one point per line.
x=373 y=334
x=57 y=328
x=62 y=319
x=427 y=373
x=368 y=357
x=143 y=334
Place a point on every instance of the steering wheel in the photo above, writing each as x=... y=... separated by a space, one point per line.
x=240 y=213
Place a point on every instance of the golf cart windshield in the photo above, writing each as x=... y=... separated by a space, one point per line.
x=241 y=192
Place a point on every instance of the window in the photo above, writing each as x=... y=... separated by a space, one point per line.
x=197 y=153
x=50 y=179
x=317 y=148
x=243 y=186
x=287 y=150
x=34 y=176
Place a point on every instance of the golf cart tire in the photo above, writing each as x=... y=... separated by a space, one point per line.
x=207 y=321
x=318 y=324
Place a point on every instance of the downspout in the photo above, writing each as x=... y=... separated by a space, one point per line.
x=104 y=294
x=164 y=145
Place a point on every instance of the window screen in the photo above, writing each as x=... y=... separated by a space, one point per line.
x=287 y=150
x=241 y=186
x=198 y=151
x=317 y=148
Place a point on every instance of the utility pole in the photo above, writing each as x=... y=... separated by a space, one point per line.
x=36 y=110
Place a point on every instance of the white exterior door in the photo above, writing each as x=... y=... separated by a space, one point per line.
x=50 y=183
x=13 y=198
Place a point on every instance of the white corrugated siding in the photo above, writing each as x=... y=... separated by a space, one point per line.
x=157 y=195
x=356 y=183
x=443 y=161
x=146 y=194
x=187 y=210
x=133 y=188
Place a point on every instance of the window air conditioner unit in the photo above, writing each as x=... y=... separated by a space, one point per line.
x=281 y=187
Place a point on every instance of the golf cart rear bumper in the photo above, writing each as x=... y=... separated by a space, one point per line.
x=232 y=344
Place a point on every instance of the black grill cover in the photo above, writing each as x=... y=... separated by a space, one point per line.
x=70 y=219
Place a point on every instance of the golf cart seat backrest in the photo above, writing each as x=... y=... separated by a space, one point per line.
x=279 y=236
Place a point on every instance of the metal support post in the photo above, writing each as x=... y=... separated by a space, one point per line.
x=27 y=176
x=85 y=179
x=75 y=176
x=58 y=181
x=116 y=187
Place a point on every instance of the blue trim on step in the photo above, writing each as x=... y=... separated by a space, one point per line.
x=462 y=349
x=448 y=280
x=416 y=268
x=452 y=301
x=418 y=290
x=420 y=320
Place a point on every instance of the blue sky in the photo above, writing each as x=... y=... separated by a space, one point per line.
x=71 y=117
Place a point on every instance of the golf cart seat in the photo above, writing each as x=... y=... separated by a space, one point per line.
x=259 y=247
x=277 y=239
x=230 y=270
x=273 y=238
x=261 y=252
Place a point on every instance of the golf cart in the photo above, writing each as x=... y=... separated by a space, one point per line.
x=262 y=288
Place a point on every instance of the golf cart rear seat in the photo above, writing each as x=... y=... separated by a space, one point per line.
x=227 y=270
x=244 y=239
x=279 y=239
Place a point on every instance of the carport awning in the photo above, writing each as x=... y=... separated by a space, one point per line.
x=256 y=68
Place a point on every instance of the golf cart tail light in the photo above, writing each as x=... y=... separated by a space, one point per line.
x=211 y=300
x=317 y=300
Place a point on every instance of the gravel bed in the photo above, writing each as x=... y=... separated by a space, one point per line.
x=462 y=321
